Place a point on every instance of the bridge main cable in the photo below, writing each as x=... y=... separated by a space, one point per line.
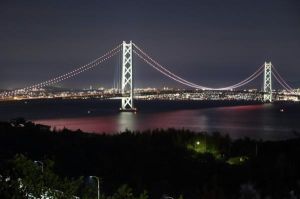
x=281 y=80
x=72 y=73
x=145 y=57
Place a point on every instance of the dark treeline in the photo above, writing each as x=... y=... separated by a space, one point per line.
x=171 y=162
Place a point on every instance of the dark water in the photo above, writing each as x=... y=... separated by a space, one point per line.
x=259 y=121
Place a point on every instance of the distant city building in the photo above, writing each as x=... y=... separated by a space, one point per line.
x=149 y=93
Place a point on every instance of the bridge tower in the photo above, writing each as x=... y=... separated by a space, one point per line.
x=268 y=82
x=127 y=78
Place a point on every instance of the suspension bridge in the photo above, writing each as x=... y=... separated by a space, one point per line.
x=130 y=49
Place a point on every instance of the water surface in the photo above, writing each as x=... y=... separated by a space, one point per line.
x=259 y=121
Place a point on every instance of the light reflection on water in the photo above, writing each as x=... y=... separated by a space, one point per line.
x=126 y=121
x=256 y=121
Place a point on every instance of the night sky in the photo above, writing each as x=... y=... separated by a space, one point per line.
x=212 y=42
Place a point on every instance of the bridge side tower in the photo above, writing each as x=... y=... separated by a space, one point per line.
x=127 y=78
x=268 y=97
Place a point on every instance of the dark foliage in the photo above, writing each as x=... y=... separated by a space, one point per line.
x=161 y=162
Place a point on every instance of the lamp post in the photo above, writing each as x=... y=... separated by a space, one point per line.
x=98 y=181
x=41 y=164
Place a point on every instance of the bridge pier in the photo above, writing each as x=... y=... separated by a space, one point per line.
x=127 y=78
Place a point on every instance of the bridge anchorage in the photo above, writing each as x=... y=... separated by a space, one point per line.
x=127 y=87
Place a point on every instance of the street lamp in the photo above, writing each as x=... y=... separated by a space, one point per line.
x=98 y=181
x=41 y=164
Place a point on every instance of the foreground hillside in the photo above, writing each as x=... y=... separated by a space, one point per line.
x=171 y=162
